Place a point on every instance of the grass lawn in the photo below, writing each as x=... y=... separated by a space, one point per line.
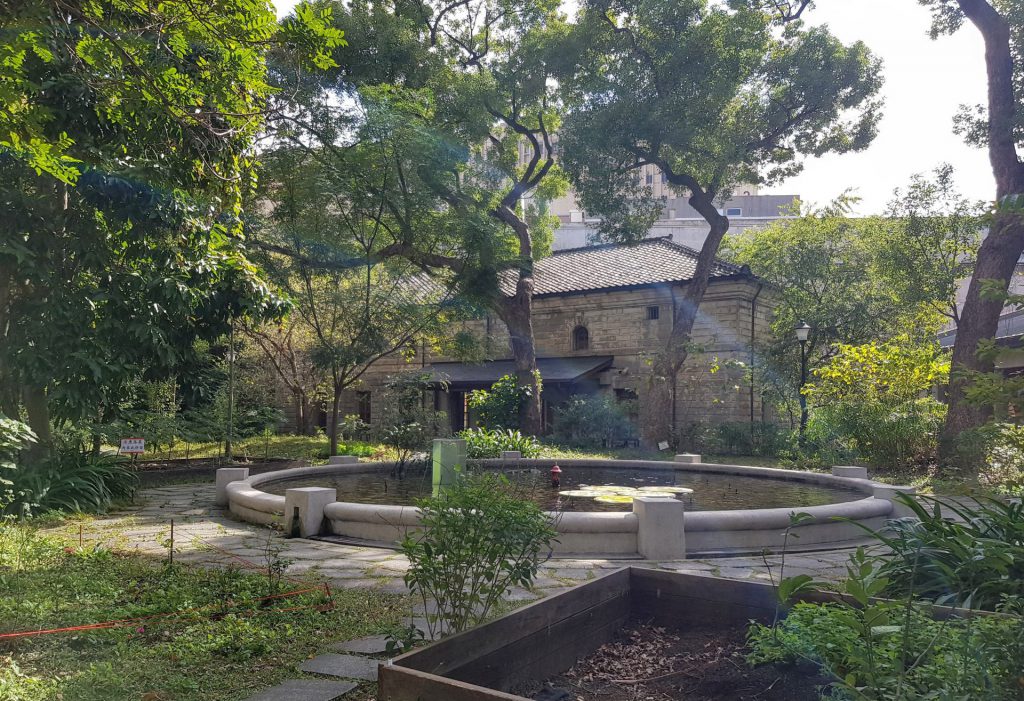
x=234 y=646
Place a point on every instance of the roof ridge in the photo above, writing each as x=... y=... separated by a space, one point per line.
x=612 y=244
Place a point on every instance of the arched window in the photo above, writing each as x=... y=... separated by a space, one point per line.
x=580 y=338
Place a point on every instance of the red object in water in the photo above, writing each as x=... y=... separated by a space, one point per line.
x=556 y=476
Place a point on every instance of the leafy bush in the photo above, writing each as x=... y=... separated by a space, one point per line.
x=498 y=407
x=70 y=479
x=975 y=559
x=889 y=651
x=481 y=443
x=745 y=438
x=592 y=421
x=895 y=650
x=479 y=540
x=1003 y=446
x=406 y=425
x=883 y=435
x=871 y=401
x=14 y=438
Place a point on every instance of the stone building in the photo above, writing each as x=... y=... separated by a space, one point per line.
x=600 y=315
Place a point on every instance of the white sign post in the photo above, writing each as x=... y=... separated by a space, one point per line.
x=133 y=446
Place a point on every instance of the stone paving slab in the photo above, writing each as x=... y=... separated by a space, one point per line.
x=347 y=666
x=305 y=690
x=370 y=645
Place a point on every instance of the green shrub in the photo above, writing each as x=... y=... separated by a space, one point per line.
x=895 y=650
x=592 y=421
x=498 y=407
x=479 y=540
x=14 y=438
x=1003 y=446
x=70 y=479
x=953 y=553
x=745 y=438
x=482 y=443
x=872 y=401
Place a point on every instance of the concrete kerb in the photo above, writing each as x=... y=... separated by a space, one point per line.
x=225 y=476
x=304 y=510
x=606 y=534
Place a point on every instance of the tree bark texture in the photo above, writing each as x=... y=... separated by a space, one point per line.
x=1002 y=248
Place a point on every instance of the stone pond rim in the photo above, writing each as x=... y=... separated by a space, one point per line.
x=656 y=529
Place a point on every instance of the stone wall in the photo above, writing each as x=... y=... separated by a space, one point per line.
x=708 y=390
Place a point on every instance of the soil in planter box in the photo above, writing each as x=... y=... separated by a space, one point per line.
x=650 y=663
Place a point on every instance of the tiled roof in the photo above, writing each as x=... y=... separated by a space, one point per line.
x=609 y=266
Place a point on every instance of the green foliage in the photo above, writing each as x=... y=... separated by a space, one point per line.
x=726 y=96
x=231 y=646
x=857 y=280
x=14 y=438
x=483 y=443
x=895 y=650
x=869 y=400
x=498 y=408
x=891 y=652
x=479 y=540
x=962 y=554
x=70 y=479
x=1004 y=457
x=407 y=425
x=744 y=438
x=592 y=421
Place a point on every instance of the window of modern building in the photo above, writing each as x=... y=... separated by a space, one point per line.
x=580 y=338
x=363 y=402
x=653 y=313
x=650 y=178
x=734 y=212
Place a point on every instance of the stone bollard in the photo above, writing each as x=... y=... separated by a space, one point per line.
x=660 y=535
x=307 y=504
x=889 y=492
x=225 y=476
x=853 y=471
x=342 y=460
x=688 y=457
x=511 y=455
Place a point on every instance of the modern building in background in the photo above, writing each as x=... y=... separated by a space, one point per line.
x=679 y=222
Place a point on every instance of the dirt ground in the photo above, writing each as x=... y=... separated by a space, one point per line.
x=649 y=663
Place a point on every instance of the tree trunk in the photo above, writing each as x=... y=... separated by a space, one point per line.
x=660 y=402
x=1002 y=248
x=979 y=320
x=332 y=428
x=38 y=412
x=517 y=313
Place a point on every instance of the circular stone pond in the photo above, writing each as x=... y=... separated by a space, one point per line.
x=711 y=491
x=731 y=509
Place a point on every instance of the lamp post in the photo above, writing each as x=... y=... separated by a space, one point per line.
x=228 y=447
x=803 y=332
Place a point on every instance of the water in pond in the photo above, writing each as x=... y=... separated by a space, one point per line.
x=711 y=491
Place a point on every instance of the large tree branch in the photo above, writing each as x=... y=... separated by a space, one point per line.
x=1002 y=109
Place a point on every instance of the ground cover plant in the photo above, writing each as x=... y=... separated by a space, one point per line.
x=483 y=443
x=232 y=645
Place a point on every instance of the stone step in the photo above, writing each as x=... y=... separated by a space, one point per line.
x=305 y=690
x=371 y=645
x=347 y=666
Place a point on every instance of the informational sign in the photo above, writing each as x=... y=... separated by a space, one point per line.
x=133 y=446
x=663 y=445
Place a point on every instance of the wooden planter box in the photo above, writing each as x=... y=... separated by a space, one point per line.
x=546 y=638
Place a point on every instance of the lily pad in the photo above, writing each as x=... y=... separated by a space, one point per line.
x=673 y=490
x=580 y=493
x=615 y=499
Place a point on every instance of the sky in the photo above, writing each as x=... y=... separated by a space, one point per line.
x=925 y=83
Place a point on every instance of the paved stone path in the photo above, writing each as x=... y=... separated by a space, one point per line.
x=207 y=535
